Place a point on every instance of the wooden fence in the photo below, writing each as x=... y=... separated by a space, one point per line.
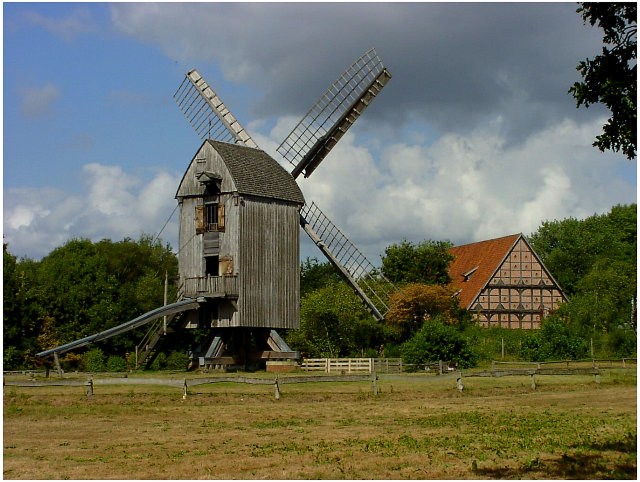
x=350 y=365
x=185 y=383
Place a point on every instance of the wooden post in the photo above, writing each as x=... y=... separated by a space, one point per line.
x=90 y=387
x=623 y=364
x=493 y=365
x=533 y=381
x=439 y=367
x=591 y=347
x=277 y=388
x=184 y=389
x=374 y=383
x=58 y=366
x=598 y=377
x=502 y=343
x=459 y=382
x=166 y=291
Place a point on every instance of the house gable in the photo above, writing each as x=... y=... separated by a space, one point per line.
x=504 y=282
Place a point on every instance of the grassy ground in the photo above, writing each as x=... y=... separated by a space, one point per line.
x=569 y=427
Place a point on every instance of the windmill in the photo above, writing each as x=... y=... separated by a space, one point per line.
x=305 y=148
x=240 y=219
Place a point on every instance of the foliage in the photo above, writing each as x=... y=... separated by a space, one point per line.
x=556 y=340
x=427 y=262
x=94 y=360
x=417 y=303
x=334 y=323
x=79 y=289
x=623 y=342
x=594 y=261
x=438 y=340
x=315 y=275
x=116 y=363
x=20 y=327
x=177 y=360
x=611 y=78
x=159 y=362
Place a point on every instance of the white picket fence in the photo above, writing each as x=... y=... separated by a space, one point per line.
x=350 y=365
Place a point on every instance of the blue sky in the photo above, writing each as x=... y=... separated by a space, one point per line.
x=474 y=137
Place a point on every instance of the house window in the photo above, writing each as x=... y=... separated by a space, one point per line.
x=211 y=216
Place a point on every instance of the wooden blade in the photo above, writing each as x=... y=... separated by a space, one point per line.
x=207 y=114
x=338 y=108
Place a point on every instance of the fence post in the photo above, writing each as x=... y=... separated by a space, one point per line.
x=459 y=381
x=493 y=365
x=90 y=386
x=374 y=383
x=277 y=388
x=327 y=367
x=623 y=364
x=184 y=389
x=533 y=381
x=598 y=376
x=439 y=367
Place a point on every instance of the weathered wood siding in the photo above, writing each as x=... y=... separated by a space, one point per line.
x=269 y=264
x=260 y=243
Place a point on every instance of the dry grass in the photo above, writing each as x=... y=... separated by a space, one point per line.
x=497 y=428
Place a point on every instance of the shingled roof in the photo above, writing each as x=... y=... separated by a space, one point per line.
x=475 y=264
x=256 y=173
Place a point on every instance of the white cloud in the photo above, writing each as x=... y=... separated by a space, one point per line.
x=466 y=188
x=78 y=22
x=114 y=205
x=37 y=102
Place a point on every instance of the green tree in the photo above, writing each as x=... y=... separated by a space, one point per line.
x=333 y=323
x=427 y=262
x=20 y=324
x=611 y=78
x=315 y=275
x=438 y=340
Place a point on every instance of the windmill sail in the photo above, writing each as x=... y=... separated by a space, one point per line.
x=207 y=114
x=338 y=108
x=370 y=285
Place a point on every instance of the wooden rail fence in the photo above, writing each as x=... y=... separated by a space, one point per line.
x=350 y=365
x=185 y=383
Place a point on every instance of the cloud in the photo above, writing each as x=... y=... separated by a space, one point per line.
x=466 y=187
x=455 y=66
x=37 y=102
x=114 y=205
x=79 y=22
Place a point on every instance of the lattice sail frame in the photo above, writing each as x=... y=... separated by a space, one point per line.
x=207 y=114
x=332 y=115
x=361 y=274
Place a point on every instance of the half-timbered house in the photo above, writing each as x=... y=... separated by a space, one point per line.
x=504 y=283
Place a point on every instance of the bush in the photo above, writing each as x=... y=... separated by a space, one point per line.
x=623 y=342
x=159 y=362
x=555 y=340
x=116 y=363
x=177 y=361
x=94 y=360
x=437 y=340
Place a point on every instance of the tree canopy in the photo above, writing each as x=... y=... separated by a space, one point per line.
x=611 y=78
x=426 y=262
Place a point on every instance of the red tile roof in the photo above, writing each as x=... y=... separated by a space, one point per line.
x=486 y=256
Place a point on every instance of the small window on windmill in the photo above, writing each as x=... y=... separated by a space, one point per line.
x=467 y=276
x=211 y=216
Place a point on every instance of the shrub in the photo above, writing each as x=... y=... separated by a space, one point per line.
x=623 y=342
x=555 y=340
x=94 y=360
x=437 y=340
x=177 y=361
x=159 y=362
x=116 y=363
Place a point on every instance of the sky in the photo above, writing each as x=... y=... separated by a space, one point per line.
x=474 y=137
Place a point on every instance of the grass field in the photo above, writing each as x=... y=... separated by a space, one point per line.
x=569 y=427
